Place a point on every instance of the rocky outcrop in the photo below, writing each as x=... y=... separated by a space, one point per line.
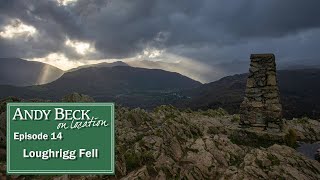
x=168 y=144
x=261 y=107
x=171 y=144
x=277 y=162
x=306 y=129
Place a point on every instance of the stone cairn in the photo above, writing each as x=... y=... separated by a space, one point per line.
x=261 y=107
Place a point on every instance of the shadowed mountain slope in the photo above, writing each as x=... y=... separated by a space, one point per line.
x=148 y=88
x=19 y=72
x=299 y=90
x=126 y=85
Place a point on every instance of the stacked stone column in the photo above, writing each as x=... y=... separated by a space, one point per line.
x=261 y=107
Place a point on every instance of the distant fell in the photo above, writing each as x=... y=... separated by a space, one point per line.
x=19 y=72
x=299 y=92
x=103 y=64
x=129 y=86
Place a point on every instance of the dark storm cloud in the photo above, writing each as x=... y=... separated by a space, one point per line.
x=274 y=18
x=124 y=28
x=52 y=22
x=196 y=29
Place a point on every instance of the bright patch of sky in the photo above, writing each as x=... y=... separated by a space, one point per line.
x=59 y=60
x=66 y=2
x=81 y=48
x=17 y=28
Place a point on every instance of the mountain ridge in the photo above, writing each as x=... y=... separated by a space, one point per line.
x=148 y=88
x=128 y=85
x=103 y=64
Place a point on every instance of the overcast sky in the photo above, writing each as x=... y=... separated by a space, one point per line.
x=205 y=33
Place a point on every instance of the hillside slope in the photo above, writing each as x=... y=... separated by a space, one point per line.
x=129 y=86
x=148 y=88
x=299 y=90
x=19 y=72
